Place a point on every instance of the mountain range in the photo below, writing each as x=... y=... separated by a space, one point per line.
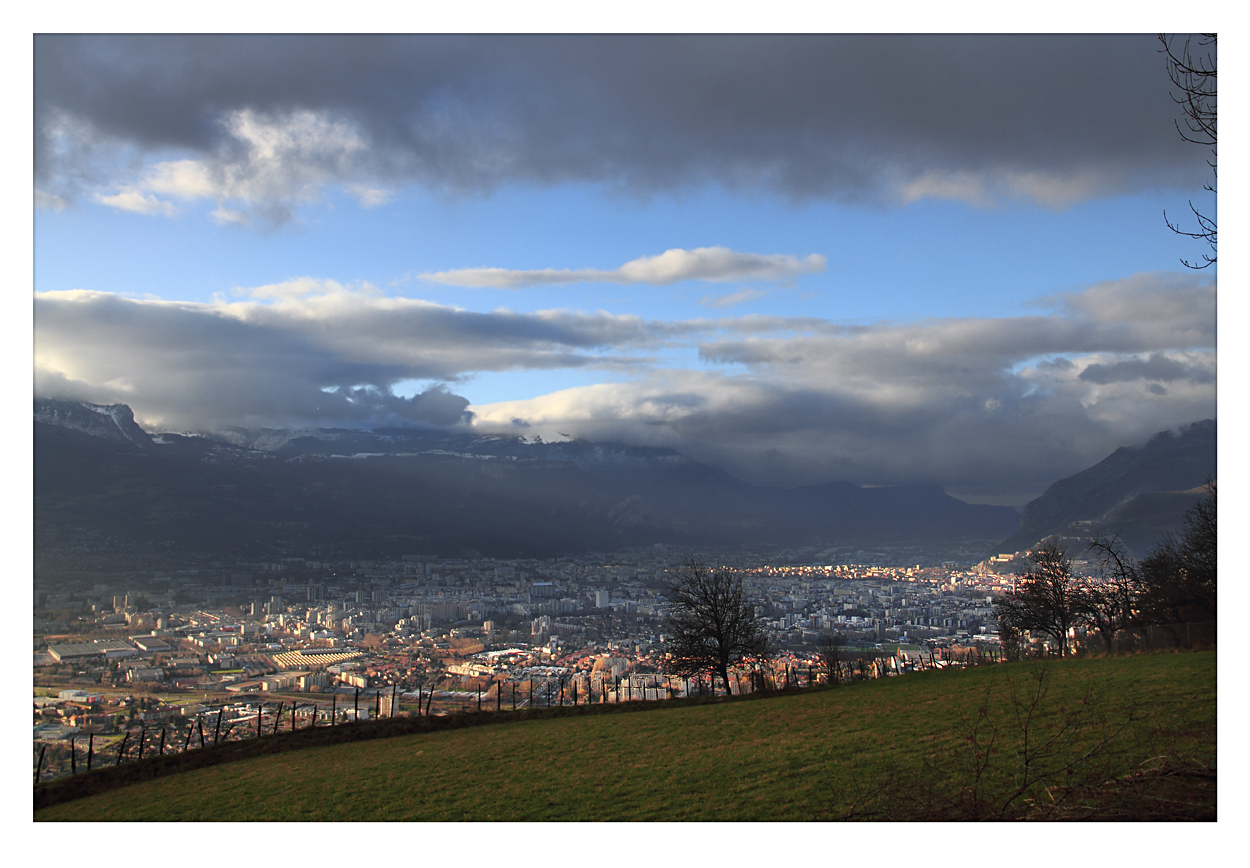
x=387 y=492
x=102 y=481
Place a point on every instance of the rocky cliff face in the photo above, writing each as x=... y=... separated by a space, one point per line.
x=114 y=422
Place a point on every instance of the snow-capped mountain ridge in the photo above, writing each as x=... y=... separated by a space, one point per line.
x=109 y=421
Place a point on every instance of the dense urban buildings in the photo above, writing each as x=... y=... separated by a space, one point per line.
x=159 y=651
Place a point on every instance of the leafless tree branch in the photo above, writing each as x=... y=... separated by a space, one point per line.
x=1192 y=70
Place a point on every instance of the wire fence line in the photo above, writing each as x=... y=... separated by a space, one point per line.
x=234 y=722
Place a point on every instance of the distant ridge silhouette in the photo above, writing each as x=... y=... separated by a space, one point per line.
x=1138 y=492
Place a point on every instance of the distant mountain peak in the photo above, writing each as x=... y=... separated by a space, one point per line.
x=114 y=422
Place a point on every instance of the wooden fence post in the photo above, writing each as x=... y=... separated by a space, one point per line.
x=39 y=766
x=121 y=751
x=394 y=687
x=73 y=757
x=143 y=731
x=90 y=748
x=217 y=731
x=334 y=701
x=162 y=741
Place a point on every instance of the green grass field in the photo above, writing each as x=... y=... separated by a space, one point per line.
x=922 y=746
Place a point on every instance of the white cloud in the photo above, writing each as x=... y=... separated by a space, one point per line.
x=267 y=165
x=715 y=264
x=51 y=201
x=370 y=197
x=305 y=287
x=186 y=179
x=223 y=216
x=269 y=360
x=732 y=299
x=139 y=203
x=960 y=186
x=991 y=188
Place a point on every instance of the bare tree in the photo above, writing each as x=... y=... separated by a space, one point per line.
x=712 y=624
x=1175 y=583
x=1109 y=603
x=1011 y=640
x=829 y=648
x=1047 y=598
x=1178 y=579
x=1193 y=74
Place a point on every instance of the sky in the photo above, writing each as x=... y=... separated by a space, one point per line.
x=879 y=259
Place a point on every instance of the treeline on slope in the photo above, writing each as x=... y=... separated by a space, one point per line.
x=1175 y=584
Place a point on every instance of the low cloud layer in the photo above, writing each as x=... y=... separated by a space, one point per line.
x=991 y=408
x=264 y=125
x=305 y=352
x=717 y=264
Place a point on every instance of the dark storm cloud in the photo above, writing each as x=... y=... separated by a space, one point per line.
x=265 y=122
x=987 y=407
x=1156 y=367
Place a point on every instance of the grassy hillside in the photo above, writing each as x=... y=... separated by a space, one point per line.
x=1131 y=736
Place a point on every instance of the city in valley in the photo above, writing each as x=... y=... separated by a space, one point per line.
x=169 y=659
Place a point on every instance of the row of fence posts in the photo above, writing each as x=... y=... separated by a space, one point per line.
x=188 y=740
x=844 y=669
x=788 y=679
x=625 y=690
x=424 y=707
